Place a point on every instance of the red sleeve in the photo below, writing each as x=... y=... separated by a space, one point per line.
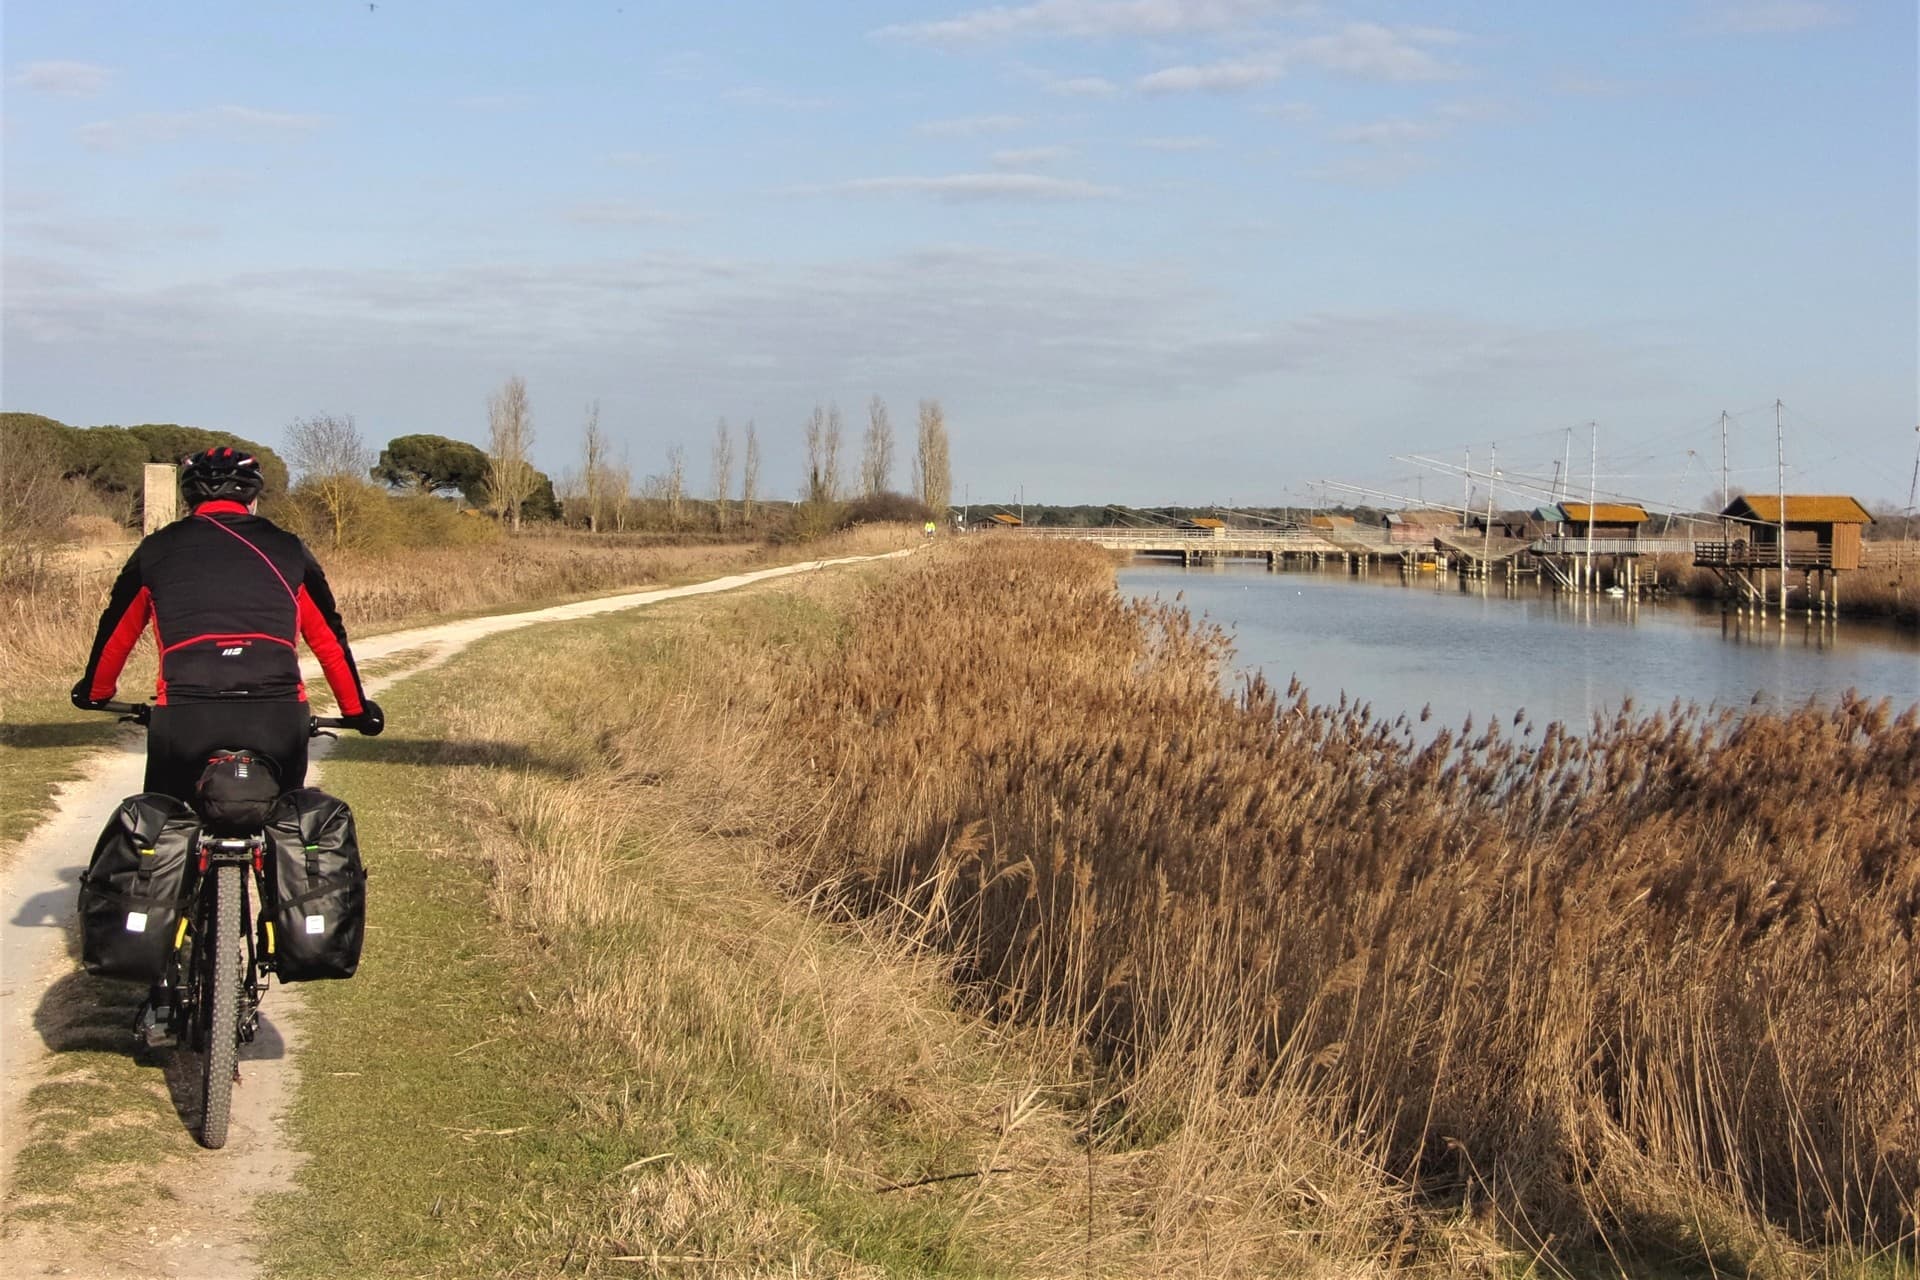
x=330 y=647
x=126 y=615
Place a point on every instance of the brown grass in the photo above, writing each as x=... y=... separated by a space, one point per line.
x=637 y=848
x=1652 y=984
x=48 y=614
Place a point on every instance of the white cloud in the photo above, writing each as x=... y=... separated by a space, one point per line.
x=1195 y=142
x=1371 y=51
x=665 y=337
x=971 y=126
x=1364 y=50
x=1289 y=112
x=1084 y=87
x=1096 y=18
x=1396 y=132
x=619 y=213
x=64 y=79
x=966 y=187
x=244 y=123
x=1377 y=167
x=1773 y=17
x=1028 y=157
x=1219 y=77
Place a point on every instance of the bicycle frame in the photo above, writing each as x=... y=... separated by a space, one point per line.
x=188 y=975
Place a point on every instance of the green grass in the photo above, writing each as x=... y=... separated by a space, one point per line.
x=103 y=1124
x=43 y=744
x=460 y=1120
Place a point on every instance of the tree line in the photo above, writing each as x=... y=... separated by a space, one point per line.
x=333 y=486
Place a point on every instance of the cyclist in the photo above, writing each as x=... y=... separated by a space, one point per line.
x=229 y=594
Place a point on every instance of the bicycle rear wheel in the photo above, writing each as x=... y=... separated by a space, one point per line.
x=220 y=983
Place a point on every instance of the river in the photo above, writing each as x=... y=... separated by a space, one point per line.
x=1402 y=646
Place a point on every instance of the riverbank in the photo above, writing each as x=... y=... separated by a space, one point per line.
x=1885 y=587
x=1545 y=974
x=640 y=1053
x=950 y=919
x=1526 y=1012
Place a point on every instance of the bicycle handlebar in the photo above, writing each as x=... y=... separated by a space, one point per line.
x=142 y=713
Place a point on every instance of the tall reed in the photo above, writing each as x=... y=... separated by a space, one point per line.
x=1651 y=979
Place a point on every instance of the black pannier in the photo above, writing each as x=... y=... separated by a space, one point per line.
x=134 y=895
x=237 y=791
x=316 y=888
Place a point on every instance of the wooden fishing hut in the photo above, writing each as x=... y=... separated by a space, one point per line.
x=1593 y=537
x=1420 y=524
x=1817 y=534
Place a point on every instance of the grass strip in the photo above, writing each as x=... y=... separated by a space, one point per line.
x=469 y=1110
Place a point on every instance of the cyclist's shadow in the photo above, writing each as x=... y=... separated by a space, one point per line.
x=81 y=1015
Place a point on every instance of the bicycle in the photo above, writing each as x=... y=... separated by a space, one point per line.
x=215 y=977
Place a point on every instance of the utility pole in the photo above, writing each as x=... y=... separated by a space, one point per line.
x=1727 y=492
x=1565 y=477
x=1493 y=478
x=1466 y=487
x=1593 y=491
x=1780 y=452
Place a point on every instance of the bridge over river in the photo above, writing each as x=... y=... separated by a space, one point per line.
x=1271 y=545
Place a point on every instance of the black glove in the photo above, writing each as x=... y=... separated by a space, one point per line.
x=370 y=721
x=83 y=697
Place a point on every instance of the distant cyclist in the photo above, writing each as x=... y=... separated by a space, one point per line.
x=228 y=594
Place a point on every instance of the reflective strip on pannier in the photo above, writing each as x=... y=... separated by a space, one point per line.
x=316 y=888
x=134 y=895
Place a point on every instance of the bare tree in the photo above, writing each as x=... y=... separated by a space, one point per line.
x=511 y=478
x=750 y=475
x=676 y=482
x=619 y=482
x=330 y=462
x=932 y=463
x=722 y=471
x=876 y=464
x=830 y=453
x=818 y=488
x=593 y=469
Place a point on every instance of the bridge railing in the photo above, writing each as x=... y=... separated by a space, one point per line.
x=1579 y=546
x=1754 y=555
x=1127 y=534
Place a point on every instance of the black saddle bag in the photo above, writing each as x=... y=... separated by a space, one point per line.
x=236 y=792
x=316 y=888
x=134 y=894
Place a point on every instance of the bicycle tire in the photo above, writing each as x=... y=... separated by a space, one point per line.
x=221 y=988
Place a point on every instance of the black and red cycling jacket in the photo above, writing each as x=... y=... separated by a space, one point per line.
x=229 y=595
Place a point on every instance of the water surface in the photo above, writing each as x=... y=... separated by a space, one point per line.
x=1485 y=652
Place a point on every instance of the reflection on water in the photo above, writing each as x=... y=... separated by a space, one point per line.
x=1482 y=649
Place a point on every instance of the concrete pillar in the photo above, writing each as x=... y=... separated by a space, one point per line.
x=160 y=502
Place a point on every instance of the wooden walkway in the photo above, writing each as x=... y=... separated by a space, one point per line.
x=1193 y=543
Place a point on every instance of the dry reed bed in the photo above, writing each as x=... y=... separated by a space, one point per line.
x=1656 y=981
x=638 y=846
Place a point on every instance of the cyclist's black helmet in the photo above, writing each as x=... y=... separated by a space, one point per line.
x=220 y=473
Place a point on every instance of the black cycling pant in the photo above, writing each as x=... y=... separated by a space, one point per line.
x=182 y=735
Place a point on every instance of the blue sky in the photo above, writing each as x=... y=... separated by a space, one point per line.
x=1142 y=250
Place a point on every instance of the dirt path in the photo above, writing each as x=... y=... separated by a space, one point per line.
x=201 y=1225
